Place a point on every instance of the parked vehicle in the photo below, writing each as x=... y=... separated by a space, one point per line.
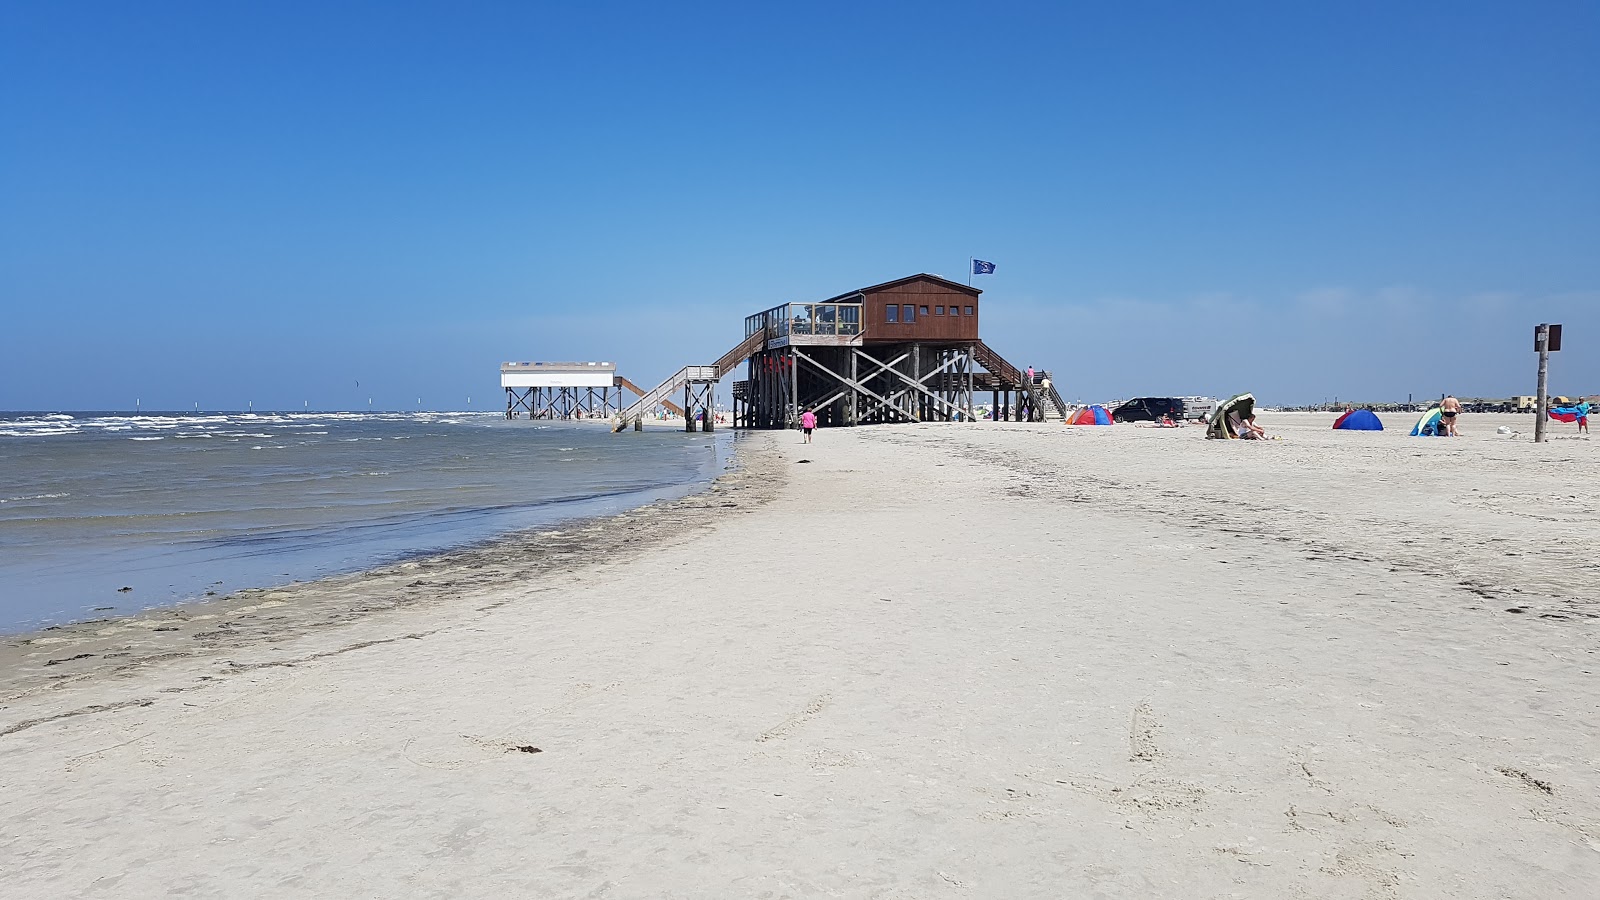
x=1149 y=409
x=1198 y=408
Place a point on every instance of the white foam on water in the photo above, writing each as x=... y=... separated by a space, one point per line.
x=37 y=432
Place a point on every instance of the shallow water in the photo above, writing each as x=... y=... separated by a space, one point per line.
x=176 y=505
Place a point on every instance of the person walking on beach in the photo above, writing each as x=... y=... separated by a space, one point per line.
x=808 y=423
x=1449 y=408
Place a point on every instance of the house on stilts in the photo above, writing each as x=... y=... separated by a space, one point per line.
x=907 y=350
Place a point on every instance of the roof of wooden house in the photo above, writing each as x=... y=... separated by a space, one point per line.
x=924 y=277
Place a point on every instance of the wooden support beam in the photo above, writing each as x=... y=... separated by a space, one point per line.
x=820 y=367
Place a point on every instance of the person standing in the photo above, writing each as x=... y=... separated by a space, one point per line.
x=1449 y=408
x=808 y=423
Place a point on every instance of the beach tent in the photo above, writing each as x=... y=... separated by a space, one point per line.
x=1429 y=425
x=1242 y=404
x=1358 y=420
x=1569 y=413
x=1090 y=415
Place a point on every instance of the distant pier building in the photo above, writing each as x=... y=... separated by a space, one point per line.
x=564 y=390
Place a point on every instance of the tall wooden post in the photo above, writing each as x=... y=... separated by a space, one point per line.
x=970 y=368
x=794 y=390
x=1541 y=343
x=711 y=408
x=853 y=411
x=913 y=399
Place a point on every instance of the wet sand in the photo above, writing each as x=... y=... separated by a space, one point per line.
x=964 y=661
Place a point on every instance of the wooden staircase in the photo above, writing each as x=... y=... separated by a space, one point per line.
x=1034 y=390
x=662 y=393
x=640 y=392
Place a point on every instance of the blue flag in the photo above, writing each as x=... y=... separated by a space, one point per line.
x=979 y=267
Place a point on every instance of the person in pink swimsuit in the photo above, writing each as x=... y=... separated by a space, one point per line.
x=808 y=422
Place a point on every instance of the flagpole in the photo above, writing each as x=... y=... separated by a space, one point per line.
x=971 y=264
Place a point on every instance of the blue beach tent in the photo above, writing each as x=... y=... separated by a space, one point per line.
x=1358 y=420
x=1429 y=425
x=1090 y=415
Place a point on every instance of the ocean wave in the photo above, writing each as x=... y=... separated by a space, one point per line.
x=154 y=438
x=33 y=497
x=37 y=432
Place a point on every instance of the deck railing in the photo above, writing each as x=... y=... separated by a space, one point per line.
x=827 y=319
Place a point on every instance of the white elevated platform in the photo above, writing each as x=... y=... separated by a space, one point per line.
x=558 y=374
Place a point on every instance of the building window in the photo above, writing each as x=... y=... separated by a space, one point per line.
x=891 y=313
x=924 y=310
x=938 y=310
x=969 y=311
x=910 y=313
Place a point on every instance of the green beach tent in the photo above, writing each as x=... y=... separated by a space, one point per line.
x=1244 y=405
x=1430 y=425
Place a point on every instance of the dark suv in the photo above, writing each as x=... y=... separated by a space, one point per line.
x=1149 y=409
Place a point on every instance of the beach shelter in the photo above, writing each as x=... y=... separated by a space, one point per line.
x=1569 y=413
x=1244 y=405
x=1358 y=420
x=1090 y=415
x=1429 y=425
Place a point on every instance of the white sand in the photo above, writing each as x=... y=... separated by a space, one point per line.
x=945 y=661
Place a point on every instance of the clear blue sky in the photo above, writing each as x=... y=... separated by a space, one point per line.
x=225 y=202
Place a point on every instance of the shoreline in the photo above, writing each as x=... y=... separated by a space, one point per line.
x=117 y=547
x=117 y=645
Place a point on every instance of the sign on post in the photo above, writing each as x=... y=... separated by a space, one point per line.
x=1553 y=343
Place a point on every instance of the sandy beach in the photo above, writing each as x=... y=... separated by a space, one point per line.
x=983 y=660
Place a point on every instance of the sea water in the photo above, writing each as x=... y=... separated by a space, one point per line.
x=175 y=506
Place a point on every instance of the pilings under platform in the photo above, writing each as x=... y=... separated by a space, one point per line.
x=700 y=402
x=857 y=385
x=563 y=402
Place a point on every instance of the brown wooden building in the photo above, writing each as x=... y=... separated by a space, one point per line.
x=916 y=308
x=906 y=350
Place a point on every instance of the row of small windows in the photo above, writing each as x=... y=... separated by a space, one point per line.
x=908 y=312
